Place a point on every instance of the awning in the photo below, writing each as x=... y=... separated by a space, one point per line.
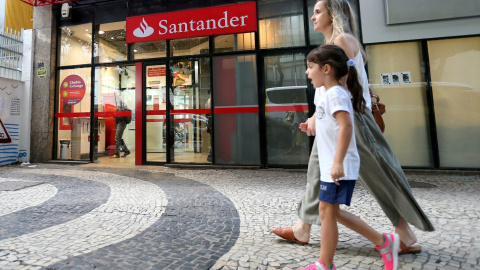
x=37 y=3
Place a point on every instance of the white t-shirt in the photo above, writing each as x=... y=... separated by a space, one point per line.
x=333 y=100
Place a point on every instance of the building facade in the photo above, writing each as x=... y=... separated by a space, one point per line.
x=198 y=88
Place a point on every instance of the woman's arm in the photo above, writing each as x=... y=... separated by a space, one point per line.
x=343 y=141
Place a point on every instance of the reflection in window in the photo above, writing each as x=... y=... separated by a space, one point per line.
x=111 y=43
x=149 y=50
x=75 y=45
x=236 y=42
x=285 y=108
x=189 y=46
x=281 y=23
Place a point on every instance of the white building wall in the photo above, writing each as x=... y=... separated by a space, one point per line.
x=376 y=30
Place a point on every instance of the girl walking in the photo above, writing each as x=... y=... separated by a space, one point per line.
x=339 y=160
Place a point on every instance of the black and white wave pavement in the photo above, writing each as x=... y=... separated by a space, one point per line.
x=108 y=218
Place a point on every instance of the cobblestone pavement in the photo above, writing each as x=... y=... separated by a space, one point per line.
x=96 y=217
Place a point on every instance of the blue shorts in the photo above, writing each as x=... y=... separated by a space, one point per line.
x=331 y=193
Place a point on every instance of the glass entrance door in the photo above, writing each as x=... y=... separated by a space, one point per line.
x=156 y=108
x=181 y=96
x=190 y=111
x=114 y=126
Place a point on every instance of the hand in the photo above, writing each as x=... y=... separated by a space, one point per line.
x=309 y=126
x=337 y=172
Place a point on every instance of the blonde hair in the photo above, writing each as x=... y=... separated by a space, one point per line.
x=343 y=20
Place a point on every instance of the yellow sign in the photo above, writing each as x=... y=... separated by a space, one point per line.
x=42 y=72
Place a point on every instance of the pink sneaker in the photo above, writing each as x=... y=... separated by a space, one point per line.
x=389 y=251
x=317 y=266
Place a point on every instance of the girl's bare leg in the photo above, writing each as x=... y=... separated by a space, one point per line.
x=328 y=232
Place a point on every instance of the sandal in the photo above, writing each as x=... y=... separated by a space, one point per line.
x=287 y=234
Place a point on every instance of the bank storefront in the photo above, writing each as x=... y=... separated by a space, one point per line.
x=211 y=82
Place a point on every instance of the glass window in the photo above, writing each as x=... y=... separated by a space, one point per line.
x=110 y=43
x=189 y=46
x=236 y=126
x=114 y=113
x=75 y=45
x=456 y=94
x=285 y=108
x=73 y=114
x=234 y=43
x=396 y=75
x=147 y=50
x=317 y=38
x=281 y=23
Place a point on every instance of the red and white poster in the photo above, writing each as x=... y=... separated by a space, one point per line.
x=72 y=89
x=219 y=20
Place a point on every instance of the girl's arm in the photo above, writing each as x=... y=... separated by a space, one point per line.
x=343 y=141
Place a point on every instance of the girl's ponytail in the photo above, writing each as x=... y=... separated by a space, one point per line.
x=355 y=89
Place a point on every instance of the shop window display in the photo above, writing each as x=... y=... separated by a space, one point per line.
x=72 y=115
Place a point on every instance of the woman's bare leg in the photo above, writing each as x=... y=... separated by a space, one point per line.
x=407 y=236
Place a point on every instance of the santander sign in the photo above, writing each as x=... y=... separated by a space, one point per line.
x=219 y=20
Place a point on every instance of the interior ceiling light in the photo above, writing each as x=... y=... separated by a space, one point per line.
x=101 y=32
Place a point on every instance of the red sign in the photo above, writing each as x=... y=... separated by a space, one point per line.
x=156 y=71
x=219 y=20
x=72 y=89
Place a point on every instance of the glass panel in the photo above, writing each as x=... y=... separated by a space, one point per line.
x=456 y=93
x=149 y=50
x=75 y=45
x=234 y=43
x=189 y=46
x=397 y=77
x=111 y=44
x=317 y=38
x=281 y=23
x=236 y=123
x=73 y=114
x=114 y=112
x=190 y=112
x=285 y=108
x=156 y=106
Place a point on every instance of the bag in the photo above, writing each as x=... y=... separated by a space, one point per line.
x=123 y=119
x=377 y=110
